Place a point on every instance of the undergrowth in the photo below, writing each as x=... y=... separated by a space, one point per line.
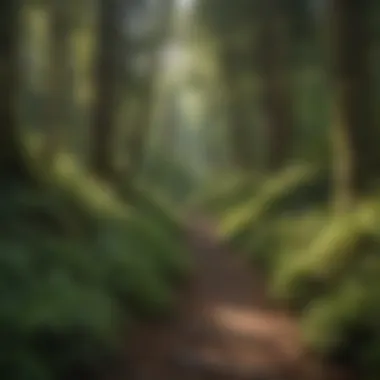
x=323 y=265
x=164 y=173
x=78 y=266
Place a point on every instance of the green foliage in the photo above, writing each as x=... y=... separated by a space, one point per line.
x=166 y=226
x=332 y=246
x=324 y=265
x=344 y=323
x=328 y=251
x=328 y=319
x=269 y=197
x=225 y=191
x=77 y=263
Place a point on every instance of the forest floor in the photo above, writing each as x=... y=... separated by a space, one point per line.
x=226 y=327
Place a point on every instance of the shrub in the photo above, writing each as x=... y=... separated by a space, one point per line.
x=77 y=264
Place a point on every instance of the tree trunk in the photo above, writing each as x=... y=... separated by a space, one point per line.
x=136 y=142
x=12 y=162
x=355 y=140
x=239 y=128
x=240 y=136
x=276 y=96
x=60 y=94
x=140 y=131
x=108 y=72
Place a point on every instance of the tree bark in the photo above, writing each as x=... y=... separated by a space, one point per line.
x=240 y=136
x=108 y=72
x=276 y=87
x=136 y=142
x=239 y=128
x=355 y=151
x=60 y=94
x=12 y=161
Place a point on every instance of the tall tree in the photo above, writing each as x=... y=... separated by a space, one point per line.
x=140 y=130
x=12 y=163
x=355 y=148
x=60 y=91
x=241 y=144
x=260 y=30
x=109 y=66
x=230 y=26
x=273 y=60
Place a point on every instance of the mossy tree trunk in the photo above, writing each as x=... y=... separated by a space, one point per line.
x=355 y=150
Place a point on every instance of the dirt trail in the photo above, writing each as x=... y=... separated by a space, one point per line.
x=226 y=328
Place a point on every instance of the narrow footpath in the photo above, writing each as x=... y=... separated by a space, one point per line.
x=226 y=327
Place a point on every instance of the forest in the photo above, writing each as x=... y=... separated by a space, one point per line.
x=157 y=158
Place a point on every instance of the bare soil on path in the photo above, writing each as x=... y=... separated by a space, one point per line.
x=226 y=327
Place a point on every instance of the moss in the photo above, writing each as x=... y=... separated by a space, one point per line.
x=246 y=214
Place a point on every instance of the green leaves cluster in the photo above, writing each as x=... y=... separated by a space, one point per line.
x=77 y=264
